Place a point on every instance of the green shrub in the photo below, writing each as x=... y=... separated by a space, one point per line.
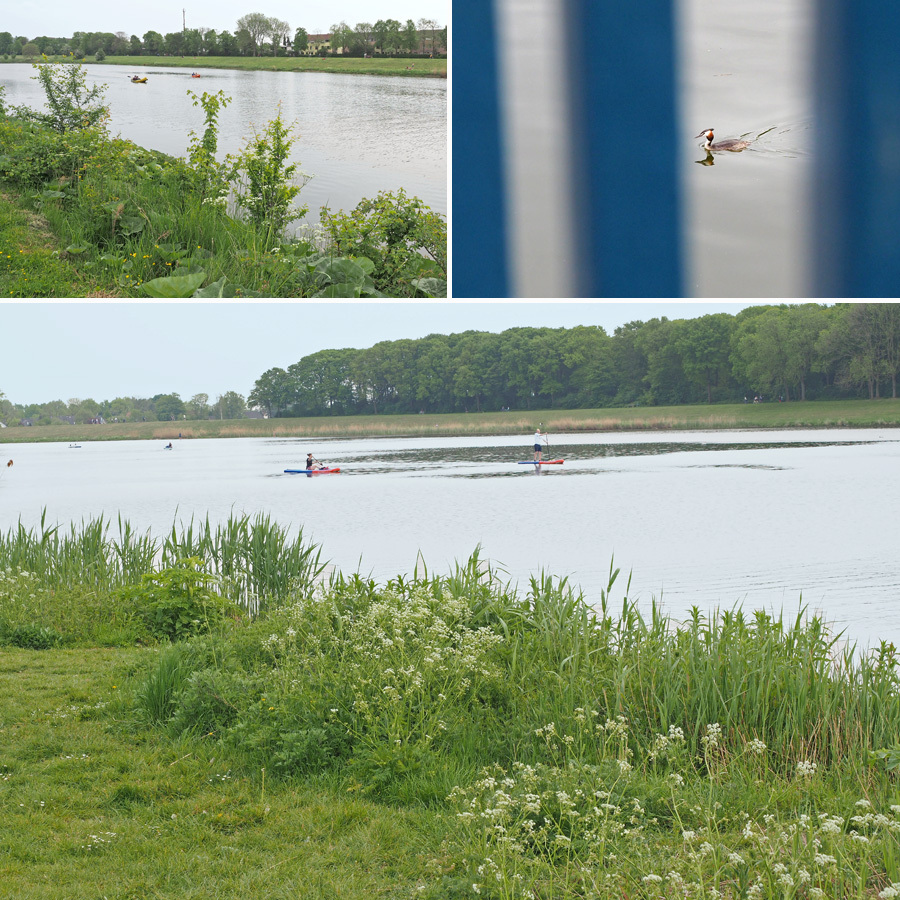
x=180 y=601
x=30 y=637
x=405 y=240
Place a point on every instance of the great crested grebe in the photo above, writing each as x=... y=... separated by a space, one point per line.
x=729 y=144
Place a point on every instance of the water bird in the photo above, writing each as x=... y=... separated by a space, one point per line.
x=728 y=144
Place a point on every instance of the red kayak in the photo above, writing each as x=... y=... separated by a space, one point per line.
x=543 y=462
x=311 y=471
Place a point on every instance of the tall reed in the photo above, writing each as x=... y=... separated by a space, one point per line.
x=258 y=561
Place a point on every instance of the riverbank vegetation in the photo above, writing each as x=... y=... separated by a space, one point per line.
x=139 y=223
x=437 y=736
x=822 y=414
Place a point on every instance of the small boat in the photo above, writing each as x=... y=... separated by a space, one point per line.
x=136 y=80
x=542 y=462
x=327 y=471
x=74 y=446
x=194 y=75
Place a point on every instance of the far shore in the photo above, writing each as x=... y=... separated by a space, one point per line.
x=819 y=414
x=408 y=67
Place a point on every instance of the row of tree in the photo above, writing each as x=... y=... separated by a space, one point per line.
x=255 y=34
x=785 y=352
x=160 y=408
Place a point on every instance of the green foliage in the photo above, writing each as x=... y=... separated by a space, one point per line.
x=72 y=105
x=172 y=286
x=207 y=176
x=159 y=690
x=264 y=181
x=30 y=637
x=180 y=601
x=405 y=240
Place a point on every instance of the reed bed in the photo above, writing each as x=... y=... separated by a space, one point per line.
x=255 y=560
x=820 y=414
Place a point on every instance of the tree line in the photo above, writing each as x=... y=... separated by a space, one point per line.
x=255 y=34
x=775 y=352
x=159 y=408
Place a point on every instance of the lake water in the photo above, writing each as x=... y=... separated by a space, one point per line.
x=712 y=519
x=359 y=134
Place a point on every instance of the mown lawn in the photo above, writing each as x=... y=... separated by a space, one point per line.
x=96 y=807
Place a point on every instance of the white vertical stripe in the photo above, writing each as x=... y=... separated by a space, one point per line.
x=533 y=58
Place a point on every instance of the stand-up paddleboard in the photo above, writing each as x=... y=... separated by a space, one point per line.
x=542 y=462
x=311 y=471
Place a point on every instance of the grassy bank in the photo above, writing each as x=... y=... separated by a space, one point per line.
x=140 y=223
x=407 y=68
x=413 y=68
x=821 y=414
x=32 y=259
x=439 y=737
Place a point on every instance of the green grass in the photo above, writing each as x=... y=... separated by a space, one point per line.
x=440 y=737
x=414 y=68
x=95 y=806
x=31 y=264
x=435 y=68
x=818 y=414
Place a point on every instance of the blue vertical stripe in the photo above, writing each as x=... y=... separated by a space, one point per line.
x=626 y=137
x=479 y=234
x=857 y=165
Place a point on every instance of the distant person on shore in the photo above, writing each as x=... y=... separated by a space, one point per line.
x=538 y=445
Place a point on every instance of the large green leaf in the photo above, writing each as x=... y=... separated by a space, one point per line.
x=342 y=271
x=339 y=290
x=175 y=285
x=129 y=225
x=432 y=287
x=220 y=288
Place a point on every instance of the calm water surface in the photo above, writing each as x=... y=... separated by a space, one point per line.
x=359 y=134
x=712 y=519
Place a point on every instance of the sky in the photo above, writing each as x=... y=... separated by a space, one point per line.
x=61 y=18
x=100 y=351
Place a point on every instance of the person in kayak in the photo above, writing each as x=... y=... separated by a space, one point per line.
x=313 y=463
x=538 y=445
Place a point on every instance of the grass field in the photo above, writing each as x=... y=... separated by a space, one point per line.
x=95 y=806
x=30 y=262
x=821 y=414
x=411 y=68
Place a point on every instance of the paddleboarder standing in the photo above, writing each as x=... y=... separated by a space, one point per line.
x=538 y=445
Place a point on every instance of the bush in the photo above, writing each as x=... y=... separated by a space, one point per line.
x=71 y=105
x=401 y=235
x=30 y=637
x=180 y=601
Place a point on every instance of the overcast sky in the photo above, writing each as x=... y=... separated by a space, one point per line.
x=56 y=18
x=63 y=350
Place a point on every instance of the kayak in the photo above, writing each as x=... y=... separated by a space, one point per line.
x=543 y=462
x=311 y=471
